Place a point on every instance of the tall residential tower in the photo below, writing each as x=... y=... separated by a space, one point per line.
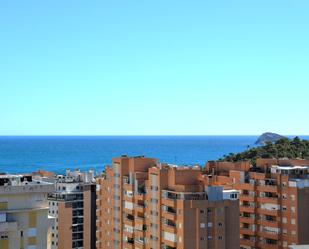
x=144 y=204
x=72 y=204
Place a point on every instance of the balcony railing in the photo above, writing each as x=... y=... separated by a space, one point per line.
x=167 y=194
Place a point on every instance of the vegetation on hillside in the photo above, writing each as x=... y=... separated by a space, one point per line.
x=283 y=148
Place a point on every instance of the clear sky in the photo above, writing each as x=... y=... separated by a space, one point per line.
x=154 y=67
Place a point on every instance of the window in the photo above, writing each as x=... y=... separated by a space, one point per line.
x=154 y=213
x=220 y=224
x=220 y=237
x=154 y=201
x=202 y=211
x=153 y=225
x=32 y=232
x=202 y=225
x=154 y=188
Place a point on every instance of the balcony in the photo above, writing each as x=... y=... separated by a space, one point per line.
x=139 y=243
x=269 y=234
x=140 y=231
x=128 y=187
x=269 y=223
x=129 y=220
x=244 y=197
x=265 y=245
x=169 y=202
x=128 y=198
x=273 y=212
x=140 y=195
x=168 y=212
x=169 y=226
x=169 y=242
x=248 y=220
x=139 y=220
x=167 y=194
x=129 y=244
x=270 y=200
x=245 y=186
x=8 y=226
x=140 y=206
x=247 y=242
x=268 y=188
x=126 y=180
x=247 y=208
x=247 y=231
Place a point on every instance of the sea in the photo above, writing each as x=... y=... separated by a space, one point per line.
x=23 y=154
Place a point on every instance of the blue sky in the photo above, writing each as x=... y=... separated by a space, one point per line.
x=154 y=67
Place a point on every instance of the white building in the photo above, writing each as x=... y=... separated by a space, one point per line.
x=24 y=220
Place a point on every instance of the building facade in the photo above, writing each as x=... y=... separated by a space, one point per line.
x=274 y=200
x=72 y=204
x=144 y=204
x=24 y=220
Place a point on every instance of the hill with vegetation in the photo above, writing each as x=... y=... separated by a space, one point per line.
x=282 y=148
x=268 y=137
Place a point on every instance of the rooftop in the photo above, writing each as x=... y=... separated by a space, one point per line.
x=20 y=180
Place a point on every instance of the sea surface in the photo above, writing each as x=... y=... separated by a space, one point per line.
x=20 y=154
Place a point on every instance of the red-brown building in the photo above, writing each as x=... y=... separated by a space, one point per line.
x=144 y=204
x=274 y=200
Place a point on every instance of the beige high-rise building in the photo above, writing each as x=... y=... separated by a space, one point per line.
x=144 y=204
x=72 y=204
x=274 y=200
x=24 y=220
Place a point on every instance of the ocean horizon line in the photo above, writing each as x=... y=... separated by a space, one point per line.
x=150 y=135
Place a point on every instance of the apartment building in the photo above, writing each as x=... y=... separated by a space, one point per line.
x=144 y=204
x=274 y=200
x=72 y=204
x=24 y=220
